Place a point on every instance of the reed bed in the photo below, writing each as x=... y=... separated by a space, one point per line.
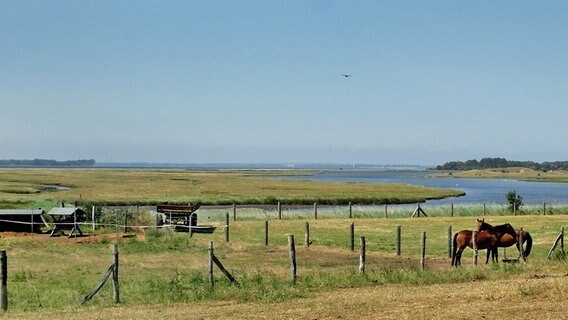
x=31 y=187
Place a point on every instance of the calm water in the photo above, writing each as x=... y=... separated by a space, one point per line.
x=478 y=191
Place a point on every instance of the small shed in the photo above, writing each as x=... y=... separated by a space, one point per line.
x=66 y=218
x=183 y=215
x=21 y=220
x=69 y=213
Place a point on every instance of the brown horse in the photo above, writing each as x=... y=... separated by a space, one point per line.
x=462 y=239
x=508 y=236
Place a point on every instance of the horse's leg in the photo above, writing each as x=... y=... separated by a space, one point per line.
x=454 y=249
x=458 y=258
x=487 y=256
x=457 y=261
x=453 y=257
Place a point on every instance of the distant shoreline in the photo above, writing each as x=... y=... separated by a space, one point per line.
x=228 y=166
x=517 y=173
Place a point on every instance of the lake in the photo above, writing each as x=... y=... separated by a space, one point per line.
x=478 y=191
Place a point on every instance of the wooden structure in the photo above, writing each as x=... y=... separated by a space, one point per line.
x=112 y=270
x=183 y=218
x=559 y=240
x=66 y=219
x=179 y=215
x=21 y=220
x=418 y=211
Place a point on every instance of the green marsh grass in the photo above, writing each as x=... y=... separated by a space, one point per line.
x=151 y=186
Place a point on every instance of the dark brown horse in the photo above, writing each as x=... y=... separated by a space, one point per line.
x=462 y=239
x=508 y=236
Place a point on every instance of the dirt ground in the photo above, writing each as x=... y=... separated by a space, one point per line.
x=87 y=238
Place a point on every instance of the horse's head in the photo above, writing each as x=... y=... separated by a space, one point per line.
x=507 y=228
x=482 y=225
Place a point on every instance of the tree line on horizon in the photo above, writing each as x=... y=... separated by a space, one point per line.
x=46 y=163
x=490 y=163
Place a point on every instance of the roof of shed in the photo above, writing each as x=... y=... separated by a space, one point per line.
x=21 y=212
x=58 y=211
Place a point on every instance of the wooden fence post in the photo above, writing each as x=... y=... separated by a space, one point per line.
x=4 y=283
x=210 y=271
x=352 y=236
x=227 y=228
x=451 y=210
x=307 y=235
x=398 y=240
x=350 y=210
x=474 y=243
x=386 y=212
x=234 y=212
x=362 y=255
x=265 y=232
x=484 y=210
x=116 y=221
x=450 y=241
x=115 y=283
x=226 y=272
x=423 y=252
x=125 y=221
x=315 y=210
x=279 y=211
x=292 y=249
x=93 y=218
x=112 y=270
x=562 y=239
x=559 y=238
x=544 y=208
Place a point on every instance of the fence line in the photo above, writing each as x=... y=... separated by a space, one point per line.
x=113 y=269
x=301 y=212
x=351 y=210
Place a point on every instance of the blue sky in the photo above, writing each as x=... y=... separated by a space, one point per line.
x=261 y=81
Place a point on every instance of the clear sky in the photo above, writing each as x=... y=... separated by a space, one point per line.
x=261 y=81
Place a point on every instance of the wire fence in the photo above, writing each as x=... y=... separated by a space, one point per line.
x=132 y=218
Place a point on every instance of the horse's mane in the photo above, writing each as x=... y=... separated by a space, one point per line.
x=506 y=228
x=502 y=228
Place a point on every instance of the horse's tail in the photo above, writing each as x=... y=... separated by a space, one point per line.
x=528 y=239
x=454 y=249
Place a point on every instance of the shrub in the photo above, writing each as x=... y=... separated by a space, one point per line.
x=514 y=200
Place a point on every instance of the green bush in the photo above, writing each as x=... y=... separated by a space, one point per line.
x=514 y=200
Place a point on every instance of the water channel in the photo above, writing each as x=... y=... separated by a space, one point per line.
x=478 y=191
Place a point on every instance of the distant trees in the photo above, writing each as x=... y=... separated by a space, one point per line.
x=489 y=163
x=47 y=163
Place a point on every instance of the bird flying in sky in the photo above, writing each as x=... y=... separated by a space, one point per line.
x=346 y=75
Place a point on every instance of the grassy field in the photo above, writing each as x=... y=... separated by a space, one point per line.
x=46 y=187
x=164 y=273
